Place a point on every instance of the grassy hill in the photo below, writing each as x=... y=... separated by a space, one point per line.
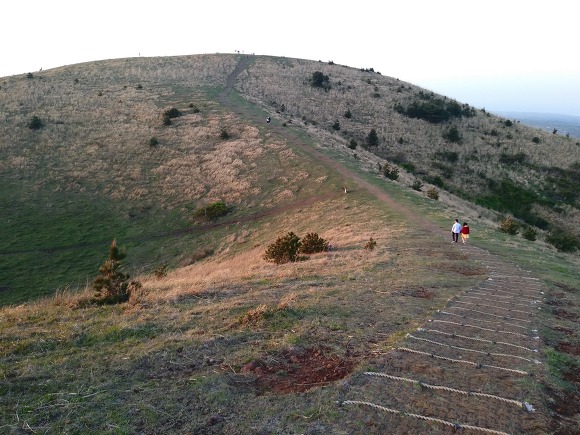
x=212 y=346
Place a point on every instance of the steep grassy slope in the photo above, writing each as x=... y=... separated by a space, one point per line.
x=495 y=162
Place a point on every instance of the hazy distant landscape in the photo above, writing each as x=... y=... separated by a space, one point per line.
x=547 y=121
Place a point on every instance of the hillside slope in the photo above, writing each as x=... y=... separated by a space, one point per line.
x=229 y=343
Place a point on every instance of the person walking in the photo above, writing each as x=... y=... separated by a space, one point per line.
x=455 y=230
x=464 y=232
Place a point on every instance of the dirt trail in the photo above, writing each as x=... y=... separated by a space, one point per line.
x=474 y=367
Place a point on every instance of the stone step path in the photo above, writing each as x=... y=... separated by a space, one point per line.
x=474 y=366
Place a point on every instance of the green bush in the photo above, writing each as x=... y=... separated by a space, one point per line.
x=509 y=226
x=224 y=134
x=285 y=249
x=213 y=211
x=433 y=194
x=35 y=123
x=348 y=114
x=417 y=185
x=536 y=139
x=452 y=135
x=336 y=125
x=513 y=159
x=312 y=243
x=529 y=233
x=353 y=144
x=320 y=80
x=563 y=241
x=172 y=113
x=390 y=171
x=112 y=286
x=372 y=138
x=153 y=142
x=434 y=110
x=450 y=156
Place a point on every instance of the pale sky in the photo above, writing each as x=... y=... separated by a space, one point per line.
x=504 y=55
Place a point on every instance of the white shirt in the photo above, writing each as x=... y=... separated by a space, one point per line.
x=456 y=228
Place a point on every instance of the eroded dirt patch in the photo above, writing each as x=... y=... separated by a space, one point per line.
x=420 y=292
x=569 y=348
x=462 y=269
x=297 y=370
x=564 y=314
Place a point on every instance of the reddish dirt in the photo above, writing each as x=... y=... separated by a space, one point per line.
x=564 y=330
x=420 y=292
x=297 y=370
x=570 y=348
x=563 y=314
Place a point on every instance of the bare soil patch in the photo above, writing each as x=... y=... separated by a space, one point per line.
x=466 y=270
x=564 y=314
x=298 y=370
x=570 y=348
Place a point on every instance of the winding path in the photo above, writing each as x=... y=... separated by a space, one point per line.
x=475 y=366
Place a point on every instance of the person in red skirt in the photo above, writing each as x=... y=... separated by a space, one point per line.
x=464 y=232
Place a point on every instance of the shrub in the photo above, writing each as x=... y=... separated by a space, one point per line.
x=509 y=226
x=450 y=156
x=172 y=113
x=320 y=80
x=508 y=123
x=29 y=75
x=529 y=233
x=512 y=159
x=213 y=211
x=285 y=249
x=161 y=271
x=452 y=135
x=390 y=171
x=417 y=184
x=563 y=241
x=224 y=134
x=433 y=194
x=370 y=244
x=312 y=243
x=336 y=125
x=166 y=120
x=372 y=138
x=408 y=166
x=348 y=114
x=35 y=123
x=352 y=144
x=112 y=285
x=153 y=142
x=139 y=86
x=536 y=139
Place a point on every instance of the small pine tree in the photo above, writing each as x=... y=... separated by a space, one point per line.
x=336 y=125
x=35 y=123
x=112 y=285
x=509 y=226
x=313 y=243
x=285 y=249
x=372 y=138
x=348 y=114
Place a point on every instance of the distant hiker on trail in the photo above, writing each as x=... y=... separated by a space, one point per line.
x=455 y=230
x=268 y=119
x=464 y=232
